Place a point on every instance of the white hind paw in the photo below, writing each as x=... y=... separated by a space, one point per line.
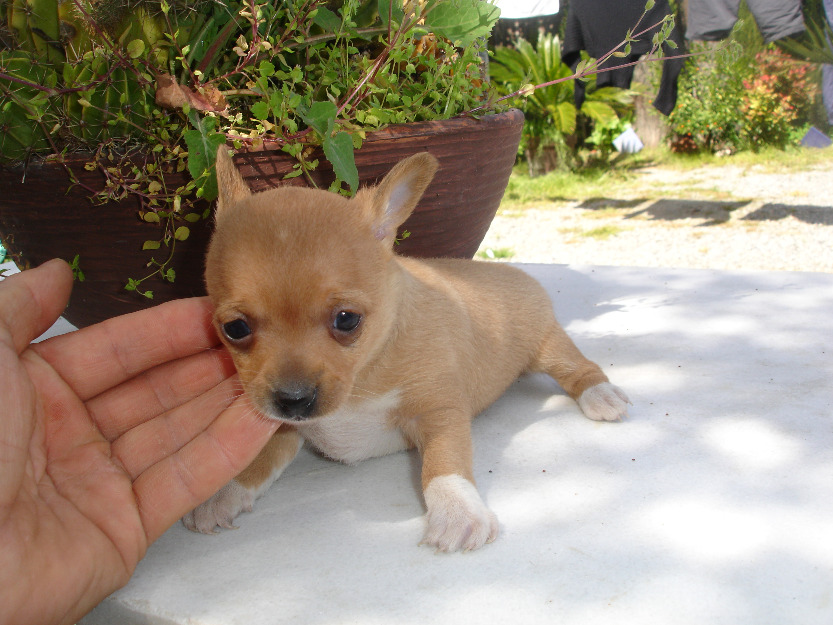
x=604 y=402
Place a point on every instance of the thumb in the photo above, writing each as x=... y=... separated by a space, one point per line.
x=31 y=301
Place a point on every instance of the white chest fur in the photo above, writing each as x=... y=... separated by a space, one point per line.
x=362 y=431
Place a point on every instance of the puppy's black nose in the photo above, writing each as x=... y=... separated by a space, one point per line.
x=296 y=401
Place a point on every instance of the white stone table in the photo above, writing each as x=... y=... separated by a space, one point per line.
x=712 y=504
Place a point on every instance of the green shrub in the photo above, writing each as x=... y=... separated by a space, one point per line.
x=711 y=89
x=777 y=99
x=742 y=94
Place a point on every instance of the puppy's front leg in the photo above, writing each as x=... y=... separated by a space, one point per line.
x=456 y=516
x=238 y=495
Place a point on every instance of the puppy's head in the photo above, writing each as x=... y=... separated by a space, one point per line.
x=304 y=284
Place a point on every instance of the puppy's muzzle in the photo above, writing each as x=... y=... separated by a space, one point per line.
x=295 y=402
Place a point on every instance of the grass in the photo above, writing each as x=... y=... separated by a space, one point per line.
x=494 y=253
x=614 y=180
x=560 y=186
x=602 y=233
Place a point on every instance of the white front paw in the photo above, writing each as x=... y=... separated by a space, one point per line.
x=457 y=517
x=604 y=402
x=221 y=509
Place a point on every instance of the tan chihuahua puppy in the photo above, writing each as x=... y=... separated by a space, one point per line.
x=362 y=352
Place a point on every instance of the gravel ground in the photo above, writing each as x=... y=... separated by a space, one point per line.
x=712 y=217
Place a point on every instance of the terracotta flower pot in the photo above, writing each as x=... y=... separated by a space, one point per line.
x=40 y=219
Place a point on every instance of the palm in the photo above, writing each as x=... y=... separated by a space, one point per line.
x=110 y=435
x=81 y=494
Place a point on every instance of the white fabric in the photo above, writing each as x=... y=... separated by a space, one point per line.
x=517 y=9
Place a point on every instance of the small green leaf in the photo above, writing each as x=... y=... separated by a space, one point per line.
x=260 y=110
x=266 y=69
x=151 y=217
x=182 y=233
x=526 y=90
x=135 y=48
x=151 y=245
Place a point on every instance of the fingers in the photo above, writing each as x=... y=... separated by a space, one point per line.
x=180 y=482
x=31 y=301
x=158 y=391
x=102 y=356
x=152 y=441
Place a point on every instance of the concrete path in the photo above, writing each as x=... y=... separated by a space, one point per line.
x=712 y=503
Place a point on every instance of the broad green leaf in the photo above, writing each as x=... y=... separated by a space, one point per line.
x=391 y=12
x=339 y=151
x=462 y=21
x=327 y=20
x=321 y=117
x=202 y=144
x=565 y=117
x=601 y=112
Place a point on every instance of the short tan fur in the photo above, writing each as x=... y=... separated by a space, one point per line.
x=362 y=352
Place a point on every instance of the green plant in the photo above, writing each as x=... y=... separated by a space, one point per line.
x=711 y=89
x=496 y=253
x=151 y=88
x=603 y=135
x=776 y=100
x=743 y=97
x=708 y=114
x=551 y=113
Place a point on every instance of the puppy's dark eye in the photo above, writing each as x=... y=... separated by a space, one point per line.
x=346 y=321
x=236 y=330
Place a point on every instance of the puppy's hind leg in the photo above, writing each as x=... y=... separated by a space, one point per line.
x=582 y=379
x=239 y=494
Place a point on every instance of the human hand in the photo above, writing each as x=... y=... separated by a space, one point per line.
x=108 y=435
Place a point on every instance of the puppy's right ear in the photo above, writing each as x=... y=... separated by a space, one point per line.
x=231 y=188
x=397 y=195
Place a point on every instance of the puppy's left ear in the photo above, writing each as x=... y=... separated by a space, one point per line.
x=390 y=203
x=231 y=188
